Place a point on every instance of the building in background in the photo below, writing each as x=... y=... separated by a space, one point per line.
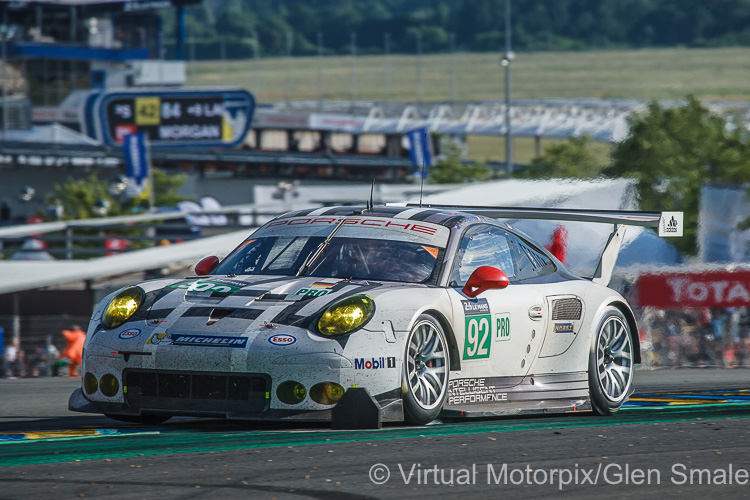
x=57 y=47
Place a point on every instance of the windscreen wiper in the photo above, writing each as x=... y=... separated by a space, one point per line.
x=319 y=251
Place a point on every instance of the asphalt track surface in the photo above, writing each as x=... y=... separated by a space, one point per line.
x=685 y=434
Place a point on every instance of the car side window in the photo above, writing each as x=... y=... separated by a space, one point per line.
x=530 y=262
x=482 y=245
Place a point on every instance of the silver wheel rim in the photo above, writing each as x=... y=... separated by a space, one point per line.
x=426 y=367
x=614 y=354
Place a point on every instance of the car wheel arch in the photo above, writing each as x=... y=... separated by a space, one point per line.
x=450 y=337
x=633 y=325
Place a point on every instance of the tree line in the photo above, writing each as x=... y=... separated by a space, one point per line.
x=670 y=152
x=276 y=27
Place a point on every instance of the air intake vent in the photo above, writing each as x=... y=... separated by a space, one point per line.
x=566 y=309
x=196 y=391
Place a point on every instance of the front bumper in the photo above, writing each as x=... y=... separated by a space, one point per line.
x=391 y=411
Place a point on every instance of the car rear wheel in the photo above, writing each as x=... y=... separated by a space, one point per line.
x=426 y=371
x=611 y=363
x=140 y=419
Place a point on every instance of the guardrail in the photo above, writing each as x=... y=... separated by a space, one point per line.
x=238 y=216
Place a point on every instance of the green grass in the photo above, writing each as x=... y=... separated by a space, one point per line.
x=710 y=74
x=487 y=148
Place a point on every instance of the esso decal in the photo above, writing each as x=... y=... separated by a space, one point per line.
x=283 y=339
x=129 y=334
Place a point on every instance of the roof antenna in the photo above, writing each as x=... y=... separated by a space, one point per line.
x=424 y=152
x=372 y=188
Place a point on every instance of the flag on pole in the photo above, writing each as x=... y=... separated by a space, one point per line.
x=136 y=163
x=419 y=147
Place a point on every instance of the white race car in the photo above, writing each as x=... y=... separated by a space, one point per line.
x=430 y=310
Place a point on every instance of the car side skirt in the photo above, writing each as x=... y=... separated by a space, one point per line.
x=501 y=396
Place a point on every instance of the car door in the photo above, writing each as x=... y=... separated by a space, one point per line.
x=500 y=331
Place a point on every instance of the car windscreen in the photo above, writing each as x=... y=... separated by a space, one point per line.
x=345 y=257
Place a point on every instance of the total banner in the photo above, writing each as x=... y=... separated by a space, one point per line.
x=719 y=288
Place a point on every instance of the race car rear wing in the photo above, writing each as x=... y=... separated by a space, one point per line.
x=669 y=224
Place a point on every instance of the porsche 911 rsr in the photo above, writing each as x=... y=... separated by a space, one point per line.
x=429 y=310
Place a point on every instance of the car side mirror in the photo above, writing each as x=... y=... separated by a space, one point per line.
x=485 y=278
x=206 y=265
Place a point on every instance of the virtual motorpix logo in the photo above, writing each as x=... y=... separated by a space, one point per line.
x=612 y=474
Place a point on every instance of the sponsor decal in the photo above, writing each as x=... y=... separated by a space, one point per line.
x=700 y=289
x=473 y=391
x=374 y=363
x=563 y=328
x=282 y=339
x=213 y=286
x=431 y=250
x=383 y=223
x=129 y=334
x=311 y=292
x=671 y=224
x=478 y=329
x=180 y=339
x=473 y=307
x=502 y=327
x=323 y=284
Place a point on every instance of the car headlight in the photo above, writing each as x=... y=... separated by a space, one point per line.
x=123 y=306
x=346 y=315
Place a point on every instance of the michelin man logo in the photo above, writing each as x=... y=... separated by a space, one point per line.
x=160 y=338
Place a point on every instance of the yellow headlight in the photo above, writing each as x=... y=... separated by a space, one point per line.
x=326 y=393
x=123 y=306
x=346 y=315
x=291 y=392
x=109 y=385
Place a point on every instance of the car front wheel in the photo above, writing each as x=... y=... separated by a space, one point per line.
x=426 y=371
x=611 y=363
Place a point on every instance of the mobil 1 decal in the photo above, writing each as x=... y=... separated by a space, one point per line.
x=478 y=328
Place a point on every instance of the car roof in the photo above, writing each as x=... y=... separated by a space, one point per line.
x=445 y=218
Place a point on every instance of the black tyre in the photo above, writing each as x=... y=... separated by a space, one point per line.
x=426 y=371
x=610 y=363
x=140 y=419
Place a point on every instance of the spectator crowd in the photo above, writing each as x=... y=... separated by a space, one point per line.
x=695 y=337
x=44 y=360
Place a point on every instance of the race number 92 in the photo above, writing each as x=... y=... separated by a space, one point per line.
x=477 y=345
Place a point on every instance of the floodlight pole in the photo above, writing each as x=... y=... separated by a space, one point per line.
x=288 y=85
x=453 y=67
x=353 y=72
x=5 y=73
x=256 y=52
x=387 y=72
x=320 y=70
x=507 y=60
x=419 y=67
x=223 y=51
